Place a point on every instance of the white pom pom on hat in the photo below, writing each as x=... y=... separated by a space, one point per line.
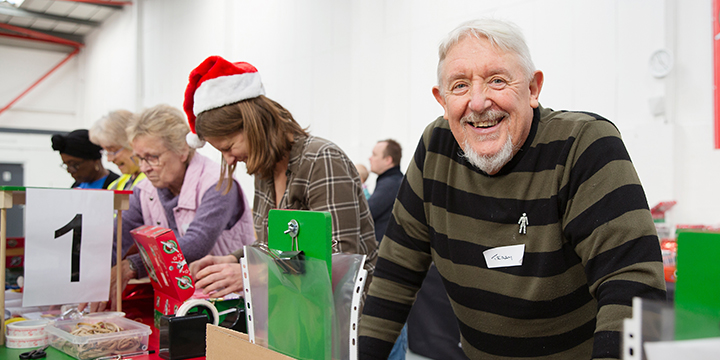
x=215 y=83
x=194 y=141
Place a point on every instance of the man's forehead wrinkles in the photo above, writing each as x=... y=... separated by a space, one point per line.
x=481 y=73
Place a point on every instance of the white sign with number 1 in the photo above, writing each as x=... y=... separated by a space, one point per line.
x=68 y=246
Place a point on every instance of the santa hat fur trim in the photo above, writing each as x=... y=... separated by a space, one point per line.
x=215 y=83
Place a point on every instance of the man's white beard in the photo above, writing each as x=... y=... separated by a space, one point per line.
x=489 y=163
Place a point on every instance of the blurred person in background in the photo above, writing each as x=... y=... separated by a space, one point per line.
x=82 y=160
x=110 y=133
x=363 y=172
x=385 y=162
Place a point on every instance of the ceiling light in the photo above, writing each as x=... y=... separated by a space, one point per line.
x=15 y=3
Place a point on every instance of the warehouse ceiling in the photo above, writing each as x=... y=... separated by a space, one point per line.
x=58 y=25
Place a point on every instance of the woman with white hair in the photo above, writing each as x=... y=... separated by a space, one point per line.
x=110 y=133
x=184 y=192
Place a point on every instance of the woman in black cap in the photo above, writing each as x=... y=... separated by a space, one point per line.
x=81 y=159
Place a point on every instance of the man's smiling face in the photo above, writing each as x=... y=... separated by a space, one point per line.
x=488 y=101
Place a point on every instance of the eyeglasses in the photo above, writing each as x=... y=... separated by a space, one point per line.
x=152 y=160
x=107 y=152
x=71 y=167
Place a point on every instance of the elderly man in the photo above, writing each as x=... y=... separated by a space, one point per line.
x=535 y=218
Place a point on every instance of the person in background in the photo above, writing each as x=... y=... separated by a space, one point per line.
x=363 y=172
x=110 y=133
x=535 y=218
x=82 y=160
x=385 y=162
x=225 y=105
x=183 y=192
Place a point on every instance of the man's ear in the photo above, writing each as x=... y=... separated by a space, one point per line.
x=536 y=84
x=440 y=99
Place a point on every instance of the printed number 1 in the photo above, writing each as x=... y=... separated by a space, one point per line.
x=76 y=226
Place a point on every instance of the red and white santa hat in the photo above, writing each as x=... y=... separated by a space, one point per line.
x=216 y=83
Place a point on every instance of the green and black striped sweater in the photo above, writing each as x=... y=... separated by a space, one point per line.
x=590 y=244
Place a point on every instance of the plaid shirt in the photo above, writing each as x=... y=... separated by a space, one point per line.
x=321 y=178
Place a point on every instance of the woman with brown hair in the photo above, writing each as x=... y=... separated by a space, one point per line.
x=226 y=106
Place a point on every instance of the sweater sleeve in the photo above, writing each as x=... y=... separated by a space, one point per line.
x=212 y=217
x=608 y=221
x=403 y=262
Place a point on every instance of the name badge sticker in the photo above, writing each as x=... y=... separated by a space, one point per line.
x=504 y=256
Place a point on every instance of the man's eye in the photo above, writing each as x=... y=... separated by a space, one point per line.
x=459 y=88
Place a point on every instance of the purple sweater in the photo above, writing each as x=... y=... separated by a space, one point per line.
x=214 y=215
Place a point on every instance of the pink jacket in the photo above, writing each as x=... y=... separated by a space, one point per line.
x=201 y=174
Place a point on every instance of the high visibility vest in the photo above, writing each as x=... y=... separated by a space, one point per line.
x=123 y=182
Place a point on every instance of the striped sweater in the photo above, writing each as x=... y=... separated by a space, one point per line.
x=590 y=243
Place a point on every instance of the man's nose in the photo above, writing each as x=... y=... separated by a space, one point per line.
x=479 y=100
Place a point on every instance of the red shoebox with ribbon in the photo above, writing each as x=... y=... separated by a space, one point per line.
x=166 y=266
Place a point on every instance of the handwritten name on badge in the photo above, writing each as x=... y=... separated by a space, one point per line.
x=504 y=256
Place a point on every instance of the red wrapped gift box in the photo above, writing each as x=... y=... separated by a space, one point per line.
x=168 y=271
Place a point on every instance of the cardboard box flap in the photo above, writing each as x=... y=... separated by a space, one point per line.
x=226 y=344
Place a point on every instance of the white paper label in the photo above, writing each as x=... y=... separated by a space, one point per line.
x=68 y=246
x=504 y=256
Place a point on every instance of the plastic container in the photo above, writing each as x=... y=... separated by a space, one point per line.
x=133 y=337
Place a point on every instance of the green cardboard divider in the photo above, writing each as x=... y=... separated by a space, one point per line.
x=300 y=307
x=697 y=291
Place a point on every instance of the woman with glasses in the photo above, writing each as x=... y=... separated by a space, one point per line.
x=81 y=159
x=110 y=133
x=226 y=105
x=183 y=191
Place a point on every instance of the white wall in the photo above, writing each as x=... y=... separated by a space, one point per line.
x=52 y=105
x=360 y=71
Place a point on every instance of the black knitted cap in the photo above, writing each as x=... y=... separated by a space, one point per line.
x=76 y=143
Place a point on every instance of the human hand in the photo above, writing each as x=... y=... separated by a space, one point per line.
x=94 y=306
x=208 y=260
x=126 y=274
x=220 y=279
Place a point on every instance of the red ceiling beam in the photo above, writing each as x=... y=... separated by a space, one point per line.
x=40 y=80
x=28 y=34
x=103 y=2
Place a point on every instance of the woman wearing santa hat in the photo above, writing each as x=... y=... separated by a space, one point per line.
x=226 y=106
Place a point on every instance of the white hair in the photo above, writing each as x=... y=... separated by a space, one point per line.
x=502 y=34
